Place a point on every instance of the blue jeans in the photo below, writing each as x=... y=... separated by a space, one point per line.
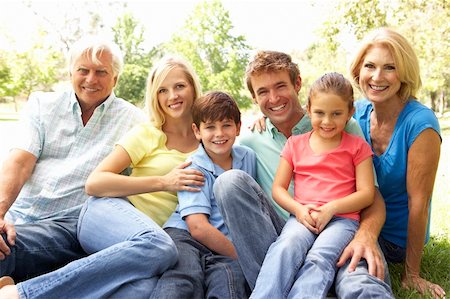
x=43 y=246
x=254 y=226
x=303 y=262
x=392 y=252
x=127 y=251
x=199 y=272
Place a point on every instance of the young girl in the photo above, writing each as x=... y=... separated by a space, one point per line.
x=333 y=181
x=127 y=248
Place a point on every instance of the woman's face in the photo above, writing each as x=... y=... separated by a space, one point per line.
x=378 y=77
x=176 y=95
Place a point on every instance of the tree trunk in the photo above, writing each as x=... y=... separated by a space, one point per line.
x=433 y=100
x=442 y=102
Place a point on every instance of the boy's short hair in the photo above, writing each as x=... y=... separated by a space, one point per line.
x=215 y=106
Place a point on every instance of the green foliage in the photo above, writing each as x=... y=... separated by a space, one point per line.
x=218 y=57
x=128 y=34
x=423 y=22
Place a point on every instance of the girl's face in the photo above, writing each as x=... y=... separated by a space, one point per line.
x=176 y=95
x=378 y=76
x=329 y=114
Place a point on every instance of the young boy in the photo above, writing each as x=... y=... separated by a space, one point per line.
x=207 y=264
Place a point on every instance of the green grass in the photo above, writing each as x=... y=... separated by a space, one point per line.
x=436 y=258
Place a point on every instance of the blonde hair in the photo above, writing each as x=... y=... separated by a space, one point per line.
x=157 y=75
x=405 y=59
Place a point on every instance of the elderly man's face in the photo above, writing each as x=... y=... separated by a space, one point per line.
x=93 y=83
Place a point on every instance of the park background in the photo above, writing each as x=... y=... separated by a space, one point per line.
x=219 y=37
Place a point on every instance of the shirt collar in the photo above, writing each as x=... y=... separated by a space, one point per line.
x=102 y=107
x=304 y=125
x=201 y=158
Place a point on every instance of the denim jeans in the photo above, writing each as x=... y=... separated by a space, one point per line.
x=303 y=262
x=127 y=251
x=254 y=226
x=392 y=252
x=199 y=272
x=43 y=246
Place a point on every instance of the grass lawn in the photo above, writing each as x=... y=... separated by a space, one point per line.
x=436 y=258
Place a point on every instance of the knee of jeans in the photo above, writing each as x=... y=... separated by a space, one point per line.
x=229 y=182
x=162 y=248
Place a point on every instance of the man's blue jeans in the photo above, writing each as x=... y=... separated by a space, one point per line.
x=303 y=262
x=127 y=251
x=254 y=226
x=199 y=272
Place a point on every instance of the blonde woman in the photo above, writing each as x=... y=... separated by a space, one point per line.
x=120 y=227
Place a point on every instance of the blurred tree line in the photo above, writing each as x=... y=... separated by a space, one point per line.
x=219 y=56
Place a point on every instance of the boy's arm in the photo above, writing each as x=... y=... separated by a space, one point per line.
x=202 y=231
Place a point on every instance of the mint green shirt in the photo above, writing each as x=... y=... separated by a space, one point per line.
x=268 y=146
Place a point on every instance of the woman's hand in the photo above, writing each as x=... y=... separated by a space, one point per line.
x=423 y=286
x=181 y=179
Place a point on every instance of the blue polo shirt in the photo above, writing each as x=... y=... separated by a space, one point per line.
x=204 y=202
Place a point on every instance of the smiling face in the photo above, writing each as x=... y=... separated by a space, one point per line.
x=329 y=114
x=175 y=95
x=277 y=97
x=92 y=82
x=217 y=137
x=378 y=78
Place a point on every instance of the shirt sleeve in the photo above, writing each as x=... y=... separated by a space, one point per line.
x=31 y=134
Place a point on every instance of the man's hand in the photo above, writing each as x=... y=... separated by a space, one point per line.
x=10 y=231
x=359 y=248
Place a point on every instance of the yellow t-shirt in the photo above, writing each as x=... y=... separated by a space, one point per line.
x=149 y=155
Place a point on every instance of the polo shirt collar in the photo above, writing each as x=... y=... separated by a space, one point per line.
x=304 y=125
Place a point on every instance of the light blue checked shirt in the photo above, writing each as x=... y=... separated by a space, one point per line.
x=66 y=151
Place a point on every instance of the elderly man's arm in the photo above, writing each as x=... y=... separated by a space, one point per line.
x=17 y=169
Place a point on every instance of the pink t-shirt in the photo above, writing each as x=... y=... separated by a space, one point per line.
x=321 y=178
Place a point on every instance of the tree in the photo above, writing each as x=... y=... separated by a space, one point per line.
x=423 y=22
x=218 y=56
x=128 y=34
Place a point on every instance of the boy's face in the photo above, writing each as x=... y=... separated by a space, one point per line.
x=217 y=137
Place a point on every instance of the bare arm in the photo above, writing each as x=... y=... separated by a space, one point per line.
x=202 y=231
x=106 y=179
x=423 y=160
x=358 y=200
x=281 y=195
x=16 y=170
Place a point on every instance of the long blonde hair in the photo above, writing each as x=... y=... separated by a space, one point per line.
x=156 y=77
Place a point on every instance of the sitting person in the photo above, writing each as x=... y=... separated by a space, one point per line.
x=333 y=181
x=405 y=137
x=255 y=220
x=120 y=228
x=64 y=136
x=207 y=266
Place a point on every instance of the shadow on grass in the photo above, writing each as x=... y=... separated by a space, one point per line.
x=435 y=267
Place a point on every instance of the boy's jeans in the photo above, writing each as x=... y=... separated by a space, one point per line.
x=199 y=272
